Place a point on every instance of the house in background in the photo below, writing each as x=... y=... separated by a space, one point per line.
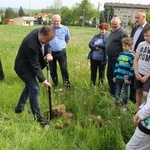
x=126 y=11
x=9 y=21
x=42 y=18
x=25 y=21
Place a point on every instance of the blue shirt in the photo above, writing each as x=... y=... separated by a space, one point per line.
x=61 y=36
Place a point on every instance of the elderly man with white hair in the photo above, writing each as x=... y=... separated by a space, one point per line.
x=113 y=48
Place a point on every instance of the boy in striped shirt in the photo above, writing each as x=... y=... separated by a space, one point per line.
x=123 y=73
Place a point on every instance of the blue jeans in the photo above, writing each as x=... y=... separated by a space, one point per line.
x=119 y=86
x=30 y=91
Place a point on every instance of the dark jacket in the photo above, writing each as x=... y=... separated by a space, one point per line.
x=95 y=48
x=140 y=38
x=113 y=45
x=30 y=60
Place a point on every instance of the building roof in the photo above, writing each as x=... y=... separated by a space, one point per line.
x=28 y=18
x=41 y=14
x=129 y=5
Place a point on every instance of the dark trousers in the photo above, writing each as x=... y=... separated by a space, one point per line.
x=96 y=65
x=1 y=71
x=102 y=72
x=110 y=73
x=132 y=95
x=62 y=60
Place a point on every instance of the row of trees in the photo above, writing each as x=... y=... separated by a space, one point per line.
x=9 y=13
x=81 y=14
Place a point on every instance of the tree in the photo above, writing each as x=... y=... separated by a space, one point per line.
x=1 y=11
x=75 y=14
x=86 y=9
x=108 y=13
x=9 y=14
x=111 y=13
x=40 y=20
x=79 y=14
x=102 y=18
x=57 y=6
x=2 y=19
x=2 y=16
x=66 y=15
x=21 y=12
x=148 y=16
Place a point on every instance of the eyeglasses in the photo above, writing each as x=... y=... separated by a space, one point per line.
x=56 y=21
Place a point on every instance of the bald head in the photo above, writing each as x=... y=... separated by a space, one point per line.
x=56 y=16
x=56 y=20
x=115 y=23
x=140 y=18
x=116 y=19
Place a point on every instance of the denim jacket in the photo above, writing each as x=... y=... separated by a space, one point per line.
x=95 y=53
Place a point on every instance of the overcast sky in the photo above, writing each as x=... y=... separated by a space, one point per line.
x=40 y=4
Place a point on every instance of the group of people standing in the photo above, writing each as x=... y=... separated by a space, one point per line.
x=120 y=52
x=128 y=60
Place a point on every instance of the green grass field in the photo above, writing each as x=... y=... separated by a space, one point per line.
x=21 y=132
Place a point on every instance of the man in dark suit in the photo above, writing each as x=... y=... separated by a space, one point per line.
x=33 y=53
x=137 y=35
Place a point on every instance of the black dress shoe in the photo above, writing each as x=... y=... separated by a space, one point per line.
x=43 y=121
x=67 y=84
x=133 y=100
x=18 y=110
x=54 y=85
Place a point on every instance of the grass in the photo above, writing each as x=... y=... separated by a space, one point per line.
x=20 y=131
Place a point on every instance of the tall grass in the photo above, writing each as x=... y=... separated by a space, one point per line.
x=20 y=131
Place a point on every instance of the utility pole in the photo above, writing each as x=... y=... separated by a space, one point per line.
x=108 y=16
x=132 y=14
x=29 y=8
x=98 y=15
x=83 y=21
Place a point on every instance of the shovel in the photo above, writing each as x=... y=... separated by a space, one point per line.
x=49 y=117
